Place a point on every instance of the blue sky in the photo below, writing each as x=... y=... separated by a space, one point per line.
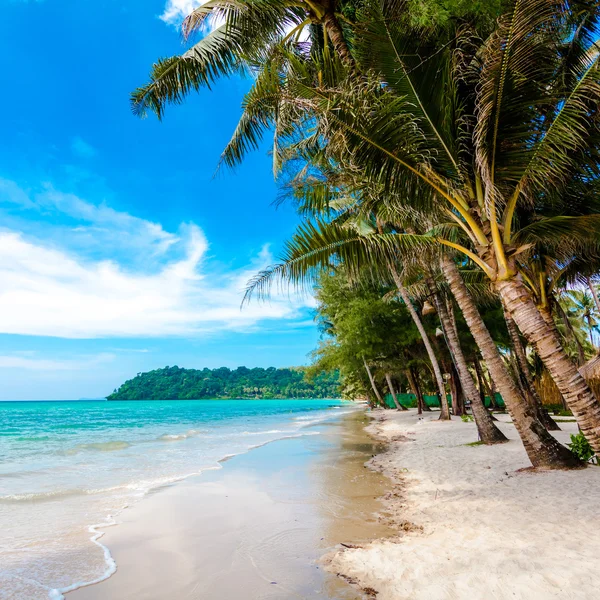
x=120 y=251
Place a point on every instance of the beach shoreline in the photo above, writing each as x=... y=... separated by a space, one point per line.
x=473 y=521
x=258 y=527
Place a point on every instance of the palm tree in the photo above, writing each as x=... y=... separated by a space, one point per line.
x=584 y=309
x=477 y=144
x=238 y=36
x=472 y=138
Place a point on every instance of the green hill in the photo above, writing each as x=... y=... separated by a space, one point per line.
x=175 y=383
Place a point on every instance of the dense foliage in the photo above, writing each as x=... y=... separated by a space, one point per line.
x=175 y=383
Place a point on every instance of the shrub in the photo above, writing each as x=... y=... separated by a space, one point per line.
x=467 y=418
x=581 y=448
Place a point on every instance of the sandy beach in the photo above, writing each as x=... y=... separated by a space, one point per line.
x=473 y=522
x=256 y=528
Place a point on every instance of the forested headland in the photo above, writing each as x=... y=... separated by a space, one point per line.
x=175 y=383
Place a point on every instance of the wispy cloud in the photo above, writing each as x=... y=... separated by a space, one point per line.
x=28 y=363
x=51 y=287
x=79 y=224
x=81 y=148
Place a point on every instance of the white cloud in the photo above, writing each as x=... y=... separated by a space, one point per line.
x=50 y=286
x=94 y=225
x=177 y=10
x=81 y=148
x=18 y=361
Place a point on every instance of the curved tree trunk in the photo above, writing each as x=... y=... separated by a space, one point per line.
x=525 y=376
x=575 y=390
x=456 y=393
x=336 y=35
x=444 y=411
x=373 y=385
x=594 y=293
x=543 y=450
x=393 y=392
x=488 y=432
x=483 y=386
x=416 y=389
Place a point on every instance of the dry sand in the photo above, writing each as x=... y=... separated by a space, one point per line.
x=472 y=526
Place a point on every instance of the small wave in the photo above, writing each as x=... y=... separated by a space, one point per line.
x=111 y=565
x=175 y=437
x=99 y=446
x=270 y=431
x=43 y=496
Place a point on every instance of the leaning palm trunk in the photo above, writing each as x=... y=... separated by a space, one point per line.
x=483 y=387
x=456 y=393
x=336 y=35
x=571 y=384
x=488 y=432
x=444 y=411
x=594 y=293
x=524 y=375
x=416 y=390
x=373 y=384
x=543 y=450
x=393 y=392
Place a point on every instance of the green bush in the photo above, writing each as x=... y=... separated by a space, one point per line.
x=467 y=418
x=581 y=448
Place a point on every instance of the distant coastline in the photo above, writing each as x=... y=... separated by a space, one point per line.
x=176 y=383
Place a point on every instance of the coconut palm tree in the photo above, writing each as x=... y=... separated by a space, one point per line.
x=477 y=144
x=485 y=124
x=583 y=308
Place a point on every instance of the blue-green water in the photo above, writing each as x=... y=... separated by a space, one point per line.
x=66 y=467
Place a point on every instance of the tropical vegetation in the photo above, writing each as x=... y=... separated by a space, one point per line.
x=442 y=155
x=175 y=383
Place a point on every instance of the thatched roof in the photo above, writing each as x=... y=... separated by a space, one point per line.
x=591 y=369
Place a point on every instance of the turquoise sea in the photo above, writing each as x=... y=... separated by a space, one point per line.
x=68 y=468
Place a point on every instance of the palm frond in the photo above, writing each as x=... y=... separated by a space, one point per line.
x=172 y=79
x=321 y=245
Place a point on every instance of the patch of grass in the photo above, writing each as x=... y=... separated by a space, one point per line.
x=480 y=443
x=467 y=418
x=558 y=410
x=566 y=420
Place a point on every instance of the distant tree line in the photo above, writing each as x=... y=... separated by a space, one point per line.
x=175 y=383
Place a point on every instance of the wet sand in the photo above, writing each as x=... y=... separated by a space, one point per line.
x=254 y=529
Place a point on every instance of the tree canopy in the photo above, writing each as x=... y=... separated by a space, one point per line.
x=175 y=383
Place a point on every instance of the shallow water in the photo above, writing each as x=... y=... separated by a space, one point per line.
x=256 y=529
x=67 y=466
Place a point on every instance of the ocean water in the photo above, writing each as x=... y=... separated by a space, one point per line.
x=68 y=468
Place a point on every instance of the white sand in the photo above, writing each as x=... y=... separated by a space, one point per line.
x=488 y=531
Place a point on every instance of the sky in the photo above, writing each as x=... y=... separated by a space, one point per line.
x=122 y=248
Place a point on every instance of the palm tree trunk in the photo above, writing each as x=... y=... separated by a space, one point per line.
x=488 y=432
x=413 y=381
x=524 y=375
x=393 y=392
x=444 y=411
x=373 y=385
x=455 y=392
x=571 y=384
x=336 y=35
x=543 y=450
x=483 y=387
x=594 y=293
